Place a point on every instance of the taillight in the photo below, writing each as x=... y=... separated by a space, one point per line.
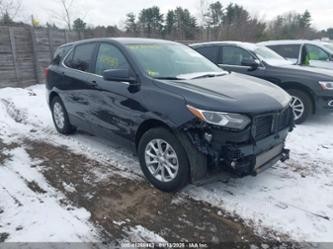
x=46 y=71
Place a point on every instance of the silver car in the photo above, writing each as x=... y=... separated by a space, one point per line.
x=304 y=52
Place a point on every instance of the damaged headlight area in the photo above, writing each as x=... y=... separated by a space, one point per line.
x=230 y=120
x=326 y=85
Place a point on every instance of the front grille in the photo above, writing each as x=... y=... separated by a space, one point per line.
x=284 y=119
x=265 y=125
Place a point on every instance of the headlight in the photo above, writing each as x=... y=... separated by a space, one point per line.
x=230 y=120
x=326 y=85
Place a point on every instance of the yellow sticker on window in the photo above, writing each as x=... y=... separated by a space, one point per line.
x=109 y=61
x=152 y=73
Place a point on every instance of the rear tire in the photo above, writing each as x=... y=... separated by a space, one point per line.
x=301 y=104
x=160 y=151
x=60 y=117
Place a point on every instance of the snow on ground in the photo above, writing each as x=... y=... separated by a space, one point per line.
x=33 y=214
x=141 y=234
x=293 y=198
x=26 y=114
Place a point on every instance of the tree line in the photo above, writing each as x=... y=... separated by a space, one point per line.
x=230 y=22
x=216 y=22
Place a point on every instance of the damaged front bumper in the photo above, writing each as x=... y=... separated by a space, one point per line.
x=239 y=152
x=253 y=158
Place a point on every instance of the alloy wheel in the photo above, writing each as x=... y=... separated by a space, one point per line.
x=161 y=160
x=59 y=115
x=298 y=107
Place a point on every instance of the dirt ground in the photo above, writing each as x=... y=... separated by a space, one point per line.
x=117 y=203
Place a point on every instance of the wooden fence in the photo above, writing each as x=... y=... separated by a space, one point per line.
x=26 y=51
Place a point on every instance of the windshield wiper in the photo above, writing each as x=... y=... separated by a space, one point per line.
x=208 y=75
x=168 y=78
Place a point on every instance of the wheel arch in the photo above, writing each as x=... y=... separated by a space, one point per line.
x=147 y=125
x=300 y=87
x=51 y=97
x=197 y=161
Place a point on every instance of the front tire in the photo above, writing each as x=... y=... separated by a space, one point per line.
x=301 y=104
x=60 y=117
x=163 y=160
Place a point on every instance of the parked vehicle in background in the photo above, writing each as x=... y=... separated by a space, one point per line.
x=182 y=115
x=303 y=52
x=311 y=89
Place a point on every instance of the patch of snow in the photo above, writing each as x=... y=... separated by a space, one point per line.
x=178 y=200
x=31 y=216
x=69 y=187
x=119 y=223
x=142 y=234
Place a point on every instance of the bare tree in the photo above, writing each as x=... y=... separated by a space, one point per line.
x=66 y=12
x=202 y=15
x=67 y=6
x=10 y=8
x=69 y=11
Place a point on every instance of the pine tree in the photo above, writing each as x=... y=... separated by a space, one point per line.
x=79 y=25
x=131 y=26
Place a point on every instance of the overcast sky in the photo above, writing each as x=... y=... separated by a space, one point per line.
x=112 y=12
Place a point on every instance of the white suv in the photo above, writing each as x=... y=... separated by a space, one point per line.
x=304 y=52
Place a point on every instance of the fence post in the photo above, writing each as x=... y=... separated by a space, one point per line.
x=49 y=36
x=13 y=48
x=34 y=53
x=81 y=35
x=66 y=36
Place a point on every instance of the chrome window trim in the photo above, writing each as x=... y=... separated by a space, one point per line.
x=240 y=66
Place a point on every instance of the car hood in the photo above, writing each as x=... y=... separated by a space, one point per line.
x=307 y=71
x=237 y=93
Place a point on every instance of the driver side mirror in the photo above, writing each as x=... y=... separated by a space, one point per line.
x=250 y=62
x=119 y=75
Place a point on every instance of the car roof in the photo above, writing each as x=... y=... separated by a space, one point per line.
x=289 y=42
x=121 y=40
x=245 y=45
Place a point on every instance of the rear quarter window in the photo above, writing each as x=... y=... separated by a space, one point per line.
x=210 y=52
x=287 y=51
x=60 y=53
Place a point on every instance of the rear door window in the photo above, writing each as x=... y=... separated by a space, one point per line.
x=210 y=52
x=232 y=55
x=287 y=51
x=82 y=57
x=110 y=57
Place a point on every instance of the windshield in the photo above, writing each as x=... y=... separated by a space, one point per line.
x=269 y=56
x=329 y=46
x=173 y=61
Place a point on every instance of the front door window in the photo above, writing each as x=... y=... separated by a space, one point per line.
x=314 y=53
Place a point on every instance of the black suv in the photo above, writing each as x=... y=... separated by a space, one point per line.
x=310 y=88
x=184 y=116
